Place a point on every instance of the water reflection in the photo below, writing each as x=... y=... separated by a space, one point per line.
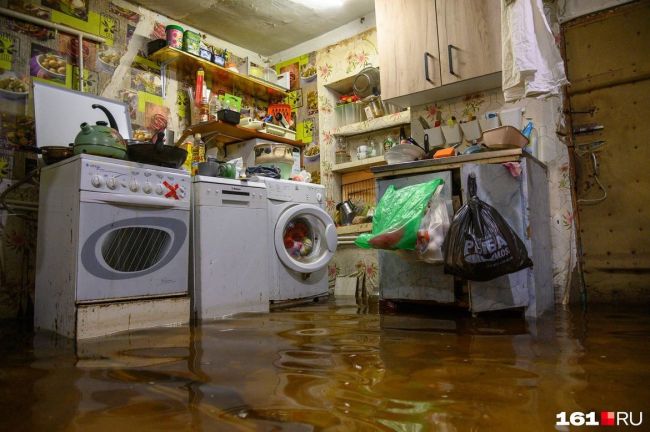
x=336 y=366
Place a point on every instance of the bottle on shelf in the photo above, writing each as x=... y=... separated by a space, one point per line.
x=187 y=145
x=198 y=153
x=213 y=106
x=199 y=86
x=204 y=110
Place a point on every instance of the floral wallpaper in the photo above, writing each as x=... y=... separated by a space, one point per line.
x=333 y=63
x=117 y=69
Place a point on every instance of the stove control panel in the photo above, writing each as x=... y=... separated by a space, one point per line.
x=134 y=179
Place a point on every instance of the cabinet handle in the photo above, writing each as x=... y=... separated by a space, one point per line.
x=451 y=60
x=426 y=67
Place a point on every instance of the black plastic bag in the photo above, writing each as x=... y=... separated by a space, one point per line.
x=480 y=245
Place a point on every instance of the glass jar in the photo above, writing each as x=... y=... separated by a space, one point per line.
x=341 y=145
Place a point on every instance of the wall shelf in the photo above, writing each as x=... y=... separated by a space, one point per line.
x=386 y=122
x=188 y=63
x=227 y=133
x=358 y=165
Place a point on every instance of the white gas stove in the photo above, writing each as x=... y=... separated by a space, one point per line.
x=113 y=247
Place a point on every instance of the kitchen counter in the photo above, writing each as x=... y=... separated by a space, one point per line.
x=443 y=164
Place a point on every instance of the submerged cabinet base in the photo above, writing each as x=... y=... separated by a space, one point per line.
x=94 y=320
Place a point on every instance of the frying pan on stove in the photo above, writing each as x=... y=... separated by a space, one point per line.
x=156 y=153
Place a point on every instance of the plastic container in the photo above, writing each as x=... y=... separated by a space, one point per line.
x=191 y=42
x=436 y=139
x=504 y=137
x=453 y=134
x=174 y=35
x=512 y=117
x=471 y=130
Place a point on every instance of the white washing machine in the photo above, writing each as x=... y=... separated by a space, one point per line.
x=303 y=240
x=230 y=246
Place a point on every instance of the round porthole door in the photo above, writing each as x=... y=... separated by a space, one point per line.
x=305 y=238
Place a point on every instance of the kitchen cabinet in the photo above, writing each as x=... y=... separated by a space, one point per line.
x=432 y=50
x=522 y=201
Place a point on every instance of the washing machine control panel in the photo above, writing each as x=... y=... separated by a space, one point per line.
x=134 y=179
x=282 y=190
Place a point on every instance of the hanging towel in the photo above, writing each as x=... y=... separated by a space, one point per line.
x=532 y=64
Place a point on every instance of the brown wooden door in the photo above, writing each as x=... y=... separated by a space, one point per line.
x=406 y=30
x=609 y=69
x=470 y=38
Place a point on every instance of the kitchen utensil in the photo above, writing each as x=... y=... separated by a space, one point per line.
x=156 y=154
x=504 y=137
x=424 y=123
x=54 y=154
x=100 y=139
x=446 y=152
x=476 y=148
x=366 y=83
x=347 y=212
x=404 y=153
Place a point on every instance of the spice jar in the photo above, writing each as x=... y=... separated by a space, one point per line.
x=174 y=34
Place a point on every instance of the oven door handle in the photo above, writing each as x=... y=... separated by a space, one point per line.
x=133 y=200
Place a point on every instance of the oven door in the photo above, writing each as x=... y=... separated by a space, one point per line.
x=131 y=246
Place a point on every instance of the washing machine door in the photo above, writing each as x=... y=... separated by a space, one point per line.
x=305 y=238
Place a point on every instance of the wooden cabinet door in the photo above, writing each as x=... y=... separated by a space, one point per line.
x=470 y=38
x=407 y=39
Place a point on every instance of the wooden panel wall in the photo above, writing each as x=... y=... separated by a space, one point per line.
x=609 y=68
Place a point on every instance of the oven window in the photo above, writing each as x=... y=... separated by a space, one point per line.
x=133 y=249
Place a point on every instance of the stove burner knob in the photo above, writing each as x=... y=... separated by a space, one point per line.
x=319 y=197
x=159 y=189
x=146 y=188
x=134 y=186
x=111 y=182
x=96 y=181
x=181 y=192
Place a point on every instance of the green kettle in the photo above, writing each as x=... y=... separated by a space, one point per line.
x=100 y=139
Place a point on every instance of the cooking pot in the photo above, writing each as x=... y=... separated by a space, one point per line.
x=213 y=168
x=100 y=139
x=54 y=154
x=347 y=212
x=277 y=155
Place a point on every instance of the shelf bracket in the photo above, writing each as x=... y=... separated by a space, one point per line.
x=163 y=77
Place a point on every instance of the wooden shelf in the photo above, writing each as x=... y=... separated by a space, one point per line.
x=188 y=63
x=342 y=86
x=359 y=165
x=354 y=229
x=229 y=134
x=386 y=122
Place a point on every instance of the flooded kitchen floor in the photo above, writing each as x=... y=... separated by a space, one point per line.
x=336 y=366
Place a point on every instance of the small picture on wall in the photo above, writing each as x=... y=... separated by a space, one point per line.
x=131 y=99
x=146 y=82
x=294 y=74
x=47 y=64
x=75 y=8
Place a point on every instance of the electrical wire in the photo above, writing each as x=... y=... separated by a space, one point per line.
x=594 y=161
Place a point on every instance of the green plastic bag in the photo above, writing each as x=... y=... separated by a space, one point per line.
x=397 y=217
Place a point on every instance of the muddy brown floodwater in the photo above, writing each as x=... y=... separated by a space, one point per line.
x=336 y=366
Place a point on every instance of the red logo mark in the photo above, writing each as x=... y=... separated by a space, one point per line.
x=607 y=418
x=172 y=190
